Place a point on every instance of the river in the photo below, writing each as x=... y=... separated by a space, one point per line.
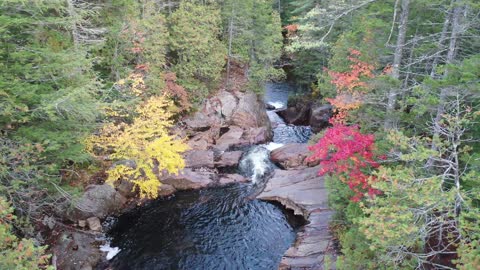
x=214 y=228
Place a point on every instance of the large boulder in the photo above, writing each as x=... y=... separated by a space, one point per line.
x=188 y=179
x=319 y=116
x=250 y=112
x=228 y=103
x=76 y=250
x=199 y=159
x=297 y=115
x=308 y=114
x=97 y=201
x=243 y=113
x=290 y=155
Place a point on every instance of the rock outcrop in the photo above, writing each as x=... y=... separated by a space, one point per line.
x=304 y=192
x=97 y=201
x=242 y=116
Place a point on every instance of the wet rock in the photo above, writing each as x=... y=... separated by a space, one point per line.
x=188 y=179
x=290 y=155
x=320 y=114
x=76 y=251
x=229 y=159
x=98 y=201
x=269 y=106
x=94 y=224
x=232 y=178
x=298 y=115
x=304 y=192
x=199 y=159
x=166 y=190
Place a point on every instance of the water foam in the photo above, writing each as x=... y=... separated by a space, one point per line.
x=111 y=251
x=277 y=104
x=272 y=146
x=256 y=163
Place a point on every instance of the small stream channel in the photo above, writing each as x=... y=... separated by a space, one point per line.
x=215 y=228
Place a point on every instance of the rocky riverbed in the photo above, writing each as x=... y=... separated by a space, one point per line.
x=217 y=134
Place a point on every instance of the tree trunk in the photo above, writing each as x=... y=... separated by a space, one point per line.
x=230 y=39
x=452 y=48
x=443 y=37
x=397 y=60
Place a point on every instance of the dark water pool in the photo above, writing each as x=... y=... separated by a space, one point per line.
x=217 y=228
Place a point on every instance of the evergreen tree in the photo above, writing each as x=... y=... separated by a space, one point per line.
x=199 y=53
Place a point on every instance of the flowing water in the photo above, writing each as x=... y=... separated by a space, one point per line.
x=215 y=228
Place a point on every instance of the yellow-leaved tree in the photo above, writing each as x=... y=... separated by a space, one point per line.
x=146 y=142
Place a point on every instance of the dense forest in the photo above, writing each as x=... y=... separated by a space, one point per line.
x=85 y=84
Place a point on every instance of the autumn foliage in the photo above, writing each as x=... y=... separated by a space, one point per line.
x=176 y=91
x=348 y=154
x=291 y=29
x=350 y=86
x=146 y=142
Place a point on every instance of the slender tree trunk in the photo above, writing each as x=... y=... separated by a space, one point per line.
x=397 y=60
x=409 y=61
x=443 y=37
x=452 y=48
x=72 y=15
x=230 y=38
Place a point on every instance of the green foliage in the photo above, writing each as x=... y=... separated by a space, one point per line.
x=18 y=254
x=59 y=95
x=194 y=40
x=252 y=32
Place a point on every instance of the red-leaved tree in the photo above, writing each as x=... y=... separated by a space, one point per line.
x=348 y=154
x=350 y=86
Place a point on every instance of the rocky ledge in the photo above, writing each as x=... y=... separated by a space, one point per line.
x=303 y=191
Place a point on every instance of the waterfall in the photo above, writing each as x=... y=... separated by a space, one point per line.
x=256 y=163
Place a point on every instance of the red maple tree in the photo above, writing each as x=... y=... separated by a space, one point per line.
x=347 y=153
